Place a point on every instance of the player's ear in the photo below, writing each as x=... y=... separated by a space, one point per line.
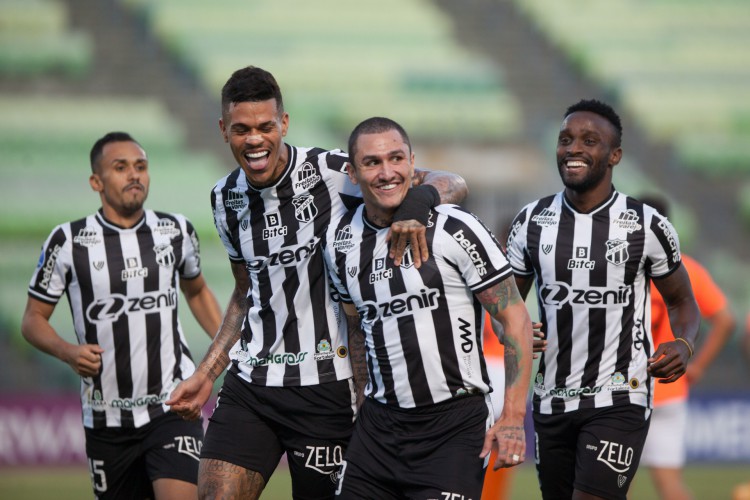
x=350 y=169
x=615 y=156
x=223 y=130
x=96 y=183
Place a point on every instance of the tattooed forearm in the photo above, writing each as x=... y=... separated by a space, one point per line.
x=357 y=355
x=500 y=296
x=512 y=363
x=217 y=357
x=452 y=187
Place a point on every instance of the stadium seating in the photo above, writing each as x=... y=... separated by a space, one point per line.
x=35 y=39
x=682 y=68
x=341 y=62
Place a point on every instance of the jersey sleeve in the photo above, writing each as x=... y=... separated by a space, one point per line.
x=662 y=246
x=191 y=265
x=52 y=273
x=516 y=245
x=332 y=263
x=472 y=248
x=221 y=222
x=335 y=162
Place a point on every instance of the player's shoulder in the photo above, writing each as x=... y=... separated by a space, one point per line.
x=325 y=159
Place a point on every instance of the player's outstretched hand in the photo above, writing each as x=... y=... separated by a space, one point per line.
x=86 y=359
x=510 y=441
x=188 y=398
x=669 y=362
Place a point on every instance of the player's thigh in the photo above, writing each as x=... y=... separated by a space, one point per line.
x=172 y=448
x=315 y=436
x=665 y=443
x=238 y=435
x=555 y=438
x=174 y=489
x=116 y=465
x=609 y=449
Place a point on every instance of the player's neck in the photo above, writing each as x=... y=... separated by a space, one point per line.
x=125 y=221
x=586 y=201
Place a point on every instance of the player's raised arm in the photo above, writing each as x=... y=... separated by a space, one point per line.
x=430 y=188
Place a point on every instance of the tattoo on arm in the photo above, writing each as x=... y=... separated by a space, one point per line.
x=357 y=354
x=500 y=296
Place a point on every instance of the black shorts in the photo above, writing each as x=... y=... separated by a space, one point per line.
x=594 y=450
x=253 y=426
x=429 y=452
x=124 y=462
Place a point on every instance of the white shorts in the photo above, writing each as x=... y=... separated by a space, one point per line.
x=496 y=371
x=665 y=443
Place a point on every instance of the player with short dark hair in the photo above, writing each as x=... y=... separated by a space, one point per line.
x=425 y=429
x=592 y=251
x=289 y=387
x=121 y=268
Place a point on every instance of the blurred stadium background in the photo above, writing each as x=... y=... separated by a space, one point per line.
x=481 y=86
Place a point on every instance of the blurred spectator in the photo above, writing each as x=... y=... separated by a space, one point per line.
x=664 y=452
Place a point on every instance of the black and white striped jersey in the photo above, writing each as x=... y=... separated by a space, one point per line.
x=423 y=327
x=122 y=286
x=592 y=272
x=293 y=334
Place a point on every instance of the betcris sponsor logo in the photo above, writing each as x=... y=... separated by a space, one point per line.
x=112 y=307
x=470 y=248
x=49 y=267
x=286 y=257
x=399 y=305
x=558 y=294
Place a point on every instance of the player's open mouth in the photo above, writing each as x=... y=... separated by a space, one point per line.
x=257 y=160
x=576 y=164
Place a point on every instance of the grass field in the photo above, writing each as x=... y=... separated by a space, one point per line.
x=709 y=482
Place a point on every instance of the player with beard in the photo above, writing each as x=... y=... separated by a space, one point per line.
x=592 y=252
x=120 y=269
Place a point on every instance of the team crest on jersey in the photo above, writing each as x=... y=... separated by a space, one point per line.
x=352 y=271
x=379 y=271
x=617 y=251
x=628 y=220
x=244 y=224
x=133 y=269
x=547 y=249
x=273 y=227
x=99 y=265
x=164 y=255
x=307 y=176
x=547 y=217
x=166 y=227
x=324 y=351
x=407 y=260
x=304 y=208
x=87 y=237
x=236 y=200
x=344 y=239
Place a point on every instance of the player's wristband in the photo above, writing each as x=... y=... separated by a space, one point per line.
x=690 y=349
x=417 y=204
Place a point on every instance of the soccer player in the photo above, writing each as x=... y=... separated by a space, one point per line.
x=289 y=388
x=664 y=452
x=423 y=430
x=120 y=269
x=591 y=251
